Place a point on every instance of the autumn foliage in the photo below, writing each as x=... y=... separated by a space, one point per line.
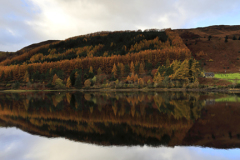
x=88 y=58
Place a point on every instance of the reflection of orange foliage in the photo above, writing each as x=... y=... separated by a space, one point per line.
x=87 y=97
x=68 y=97
x=126 y=110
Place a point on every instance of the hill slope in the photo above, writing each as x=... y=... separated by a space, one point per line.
x=144 y=50
x=126 y=55
x=217 y=55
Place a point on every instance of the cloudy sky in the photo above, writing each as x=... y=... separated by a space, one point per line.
x=23 y=22
x=18 y=145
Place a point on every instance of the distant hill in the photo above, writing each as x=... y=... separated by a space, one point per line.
x=217 y=55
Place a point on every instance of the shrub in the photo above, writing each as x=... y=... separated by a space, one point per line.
x=49 y=85
x=234 y=37
x=226 y=39
x=131 y=85
x=87 y=83
x=209 y=37
x=237 y=85
x=210 y=60
x=15 y=85
x=59 y=83
x=116 y=82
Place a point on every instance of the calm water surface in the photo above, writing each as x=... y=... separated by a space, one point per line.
x=153 y=125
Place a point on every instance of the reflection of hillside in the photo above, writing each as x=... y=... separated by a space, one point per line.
x=219 y=127
x=118 y=119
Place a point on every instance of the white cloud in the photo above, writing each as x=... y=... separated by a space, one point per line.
x=38 y=20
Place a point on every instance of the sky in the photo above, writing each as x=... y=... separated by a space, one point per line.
x=23 y=22
x=19 y=145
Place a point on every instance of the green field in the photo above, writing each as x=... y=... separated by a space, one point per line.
x=232 y=77
x=228 y=99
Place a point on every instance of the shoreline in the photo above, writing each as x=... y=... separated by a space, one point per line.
x=131 y=90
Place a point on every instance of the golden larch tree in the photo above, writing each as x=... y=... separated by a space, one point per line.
x=68 y=84
x=128 y=78
x=99 y=71
x=114 y=70
x=122 y=68
x=182 y=72
x=158 y=78
x=55 y=77
x=132 y=77
x=132 y=67
x=195 y=69
x=91 y=69
x=26 y=77
x=167 y=63
x=135 y=78
x=141 y=68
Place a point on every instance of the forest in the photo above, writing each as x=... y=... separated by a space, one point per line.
x=121 y=59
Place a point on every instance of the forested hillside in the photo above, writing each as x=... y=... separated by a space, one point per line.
x=132 y=57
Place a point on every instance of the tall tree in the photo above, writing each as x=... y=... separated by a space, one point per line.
x=135 y=78
x=72 y=78
x=114 y=70
x=2 y=76
x=121 y=66
x=141 y=68
x=26 y=77
x=68 y=84
x=126 y=69
x=91 y=69
x=55 y=77
x=167 y=63
x=78 y=82
x=99 y=71
x=132 y=68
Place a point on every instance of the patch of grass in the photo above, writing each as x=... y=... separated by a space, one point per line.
x=232 y=77
x=228 y=99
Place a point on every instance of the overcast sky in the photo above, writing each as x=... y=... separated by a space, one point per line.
x=18 y=145
x=23 y=22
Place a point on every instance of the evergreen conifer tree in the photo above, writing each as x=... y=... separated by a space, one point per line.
x=78 y=82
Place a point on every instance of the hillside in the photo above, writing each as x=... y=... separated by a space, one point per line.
x=217 y=55
x=129 y=56
x=160 y=58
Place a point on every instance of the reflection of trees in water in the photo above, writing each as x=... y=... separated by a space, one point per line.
x=104 y=118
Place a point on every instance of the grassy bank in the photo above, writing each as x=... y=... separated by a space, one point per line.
x=232 y=77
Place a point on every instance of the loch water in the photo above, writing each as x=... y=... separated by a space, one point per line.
x=119 y=126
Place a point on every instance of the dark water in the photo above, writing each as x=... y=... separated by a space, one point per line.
x=153 y=125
